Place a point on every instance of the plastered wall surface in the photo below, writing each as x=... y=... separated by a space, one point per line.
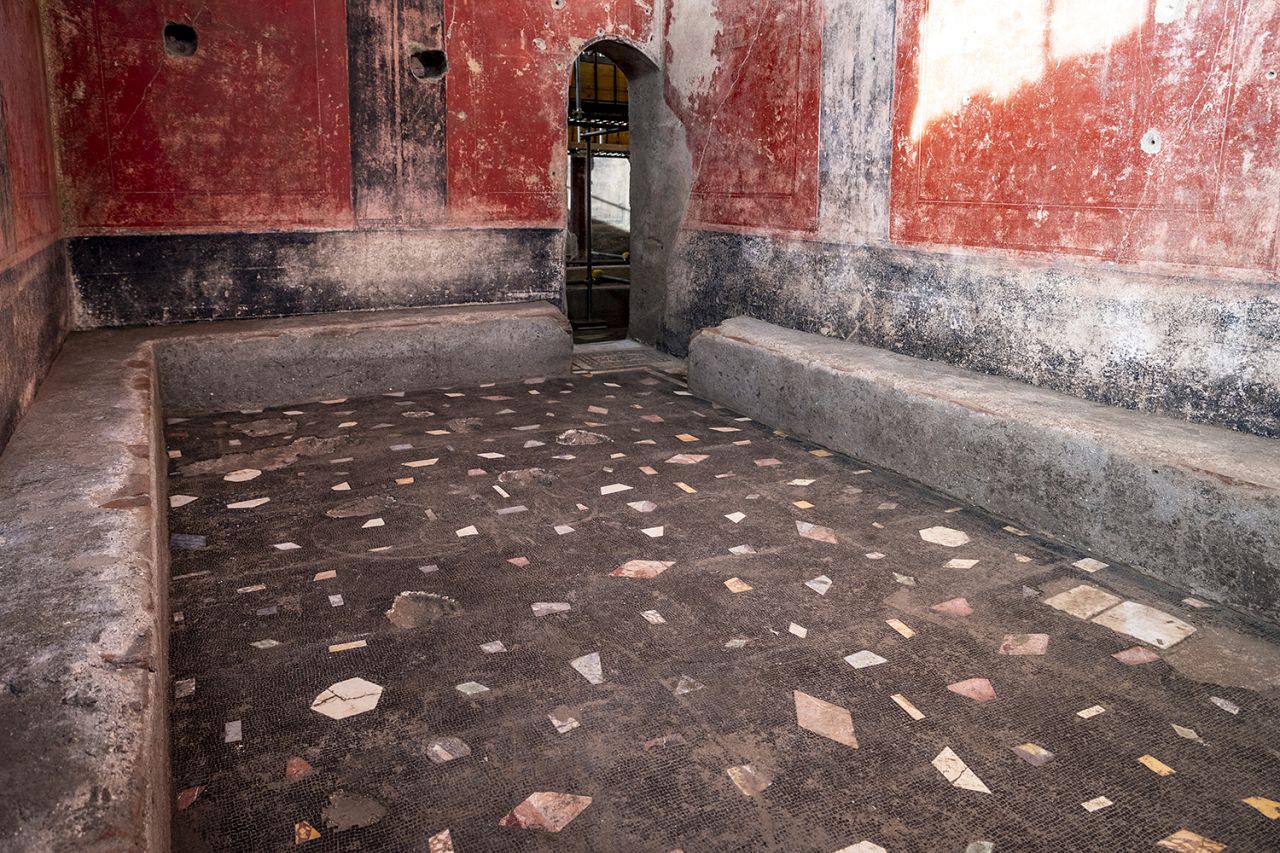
x=994 y=206
x=28 y=203
x=745 y=78
x=508 y=100
x=1110 y=129
x=33 y=276
x=249 y=130
x=1081 y=195
x=293 y=130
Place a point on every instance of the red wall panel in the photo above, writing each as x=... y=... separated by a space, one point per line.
x=754 y=132
x=1025 y=129
x=507 y=90
x=28 y=205
x=250 y=131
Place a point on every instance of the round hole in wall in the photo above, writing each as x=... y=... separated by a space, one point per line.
x=1271 y=75
x=180 y=39
x=1152 y=141
x=557 y=4
x=425 y=64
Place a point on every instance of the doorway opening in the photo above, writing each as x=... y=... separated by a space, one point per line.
x=598 y=248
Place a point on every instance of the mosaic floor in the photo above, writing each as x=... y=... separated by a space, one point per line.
x=600 y=614
x=624 y=355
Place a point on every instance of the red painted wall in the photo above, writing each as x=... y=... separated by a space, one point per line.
x=753 y=129
x=28 y=203
x=507 y=89
x=250 y=132
x=253 y=131
x=1036 y=142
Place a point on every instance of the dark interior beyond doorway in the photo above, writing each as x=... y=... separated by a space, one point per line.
x=598 y=251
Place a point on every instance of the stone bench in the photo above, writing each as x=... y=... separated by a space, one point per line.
x=84 y=687
x=1195 y=506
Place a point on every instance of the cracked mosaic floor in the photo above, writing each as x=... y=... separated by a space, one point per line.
x=598 y=613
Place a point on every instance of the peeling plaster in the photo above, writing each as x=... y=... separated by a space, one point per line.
x=693 y=32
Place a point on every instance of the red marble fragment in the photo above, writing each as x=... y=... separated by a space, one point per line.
x=187 y=797
x=546 y=810
x=297 y=768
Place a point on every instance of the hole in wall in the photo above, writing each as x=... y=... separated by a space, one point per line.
x=180 y=39
x=1152 y=141
x=425 y=63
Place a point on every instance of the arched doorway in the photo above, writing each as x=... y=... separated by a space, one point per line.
x=627 y=186
x=598 y=244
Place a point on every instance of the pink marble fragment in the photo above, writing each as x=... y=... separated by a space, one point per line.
x=953 y=607
x=815 y=532
x=977 y=689
x=1136 y=655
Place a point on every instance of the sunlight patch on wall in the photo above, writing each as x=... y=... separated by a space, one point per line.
x=995 y=47
x=1078 y=27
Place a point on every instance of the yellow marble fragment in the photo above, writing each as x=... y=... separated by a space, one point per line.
x=1186 y=841
x=304 y=832
x=905 y=704
x=1269 y=808
x=901 y=627
x=1156 y=766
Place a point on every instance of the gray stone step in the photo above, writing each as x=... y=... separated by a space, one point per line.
x=1191 y=505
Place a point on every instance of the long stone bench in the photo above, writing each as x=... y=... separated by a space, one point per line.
x=1195 y=506
x=84 y=686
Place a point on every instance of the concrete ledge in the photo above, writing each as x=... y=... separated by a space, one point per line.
x=83 y=678
x=1194 y=506
x=84 y=687
x=226 y=366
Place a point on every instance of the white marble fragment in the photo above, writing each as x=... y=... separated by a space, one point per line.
x=944 y=536
x=1146 y=624
x=589 y=667
x=1083 y=602
x=864 y=659
x=957 y=772
x=820 y=584
x=347 y=698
